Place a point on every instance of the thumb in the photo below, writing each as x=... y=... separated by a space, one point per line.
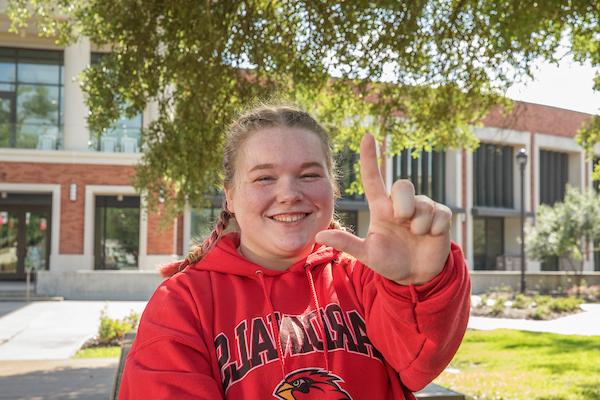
x=341 y=240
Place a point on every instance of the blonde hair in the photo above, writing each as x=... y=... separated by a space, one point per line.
x=251 y=121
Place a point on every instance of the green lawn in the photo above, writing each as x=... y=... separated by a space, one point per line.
x=515 y=365
x=99 y=352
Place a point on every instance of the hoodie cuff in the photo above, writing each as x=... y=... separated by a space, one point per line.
x=418 y=293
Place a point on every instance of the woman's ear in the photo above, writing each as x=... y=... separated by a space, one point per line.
x=229 y=200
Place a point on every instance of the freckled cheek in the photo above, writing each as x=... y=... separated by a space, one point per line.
x=256 y=200
x=321 y=195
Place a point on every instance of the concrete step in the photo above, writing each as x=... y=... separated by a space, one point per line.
x=436 y=392
x=21 y=295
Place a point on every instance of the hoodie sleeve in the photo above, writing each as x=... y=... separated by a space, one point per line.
x=169 y=358
x=418 y=329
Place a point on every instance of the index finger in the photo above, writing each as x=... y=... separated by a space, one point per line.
x=369 y=170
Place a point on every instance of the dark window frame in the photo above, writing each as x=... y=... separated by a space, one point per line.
x=554 y=176
x=487 y=240
x=104 y=202
x=427 y=172
x=493 y=176
x=20 y=55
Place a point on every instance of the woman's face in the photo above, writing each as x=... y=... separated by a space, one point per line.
x=282 y=195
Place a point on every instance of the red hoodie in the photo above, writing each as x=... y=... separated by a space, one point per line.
x=209 y=332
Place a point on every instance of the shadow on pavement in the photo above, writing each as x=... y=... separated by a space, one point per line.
x=47 y=380
x=6 y=307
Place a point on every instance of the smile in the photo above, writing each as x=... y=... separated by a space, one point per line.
x=288 y=218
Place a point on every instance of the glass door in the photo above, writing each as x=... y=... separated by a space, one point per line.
x=24 y=240
x=8 y=118
x=9 y=244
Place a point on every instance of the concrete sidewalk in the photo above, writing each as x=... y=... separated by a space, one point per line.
x=89 y=379
x=37 y=340
x=51 y=330
x=586 y=323
x=56 y=330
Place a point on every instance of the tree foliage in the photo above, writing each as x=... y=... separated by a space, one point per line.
x=566 y=228
x=423 y=71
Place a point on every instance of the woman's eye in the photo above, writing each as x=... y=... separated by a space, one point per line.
x=264 y=179
x=310 y=176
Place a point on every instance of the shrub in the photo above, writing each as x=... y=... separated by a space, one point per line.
x=498 y=307
x=521 y=301
x=588 y=293
x=565 y=304
x=541 y=300
x=112 y=331
x=484 y=300
x=541 y=312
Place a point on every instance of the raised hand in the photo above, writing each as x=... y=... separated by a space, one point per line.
x=409 y=236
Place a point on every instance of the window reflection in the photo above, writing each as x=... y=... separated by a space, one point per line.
x=124 y=135
x=117 y=230
x=31 y=96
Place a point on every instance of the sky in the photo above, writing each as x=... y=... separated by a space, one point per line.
x=568 y=85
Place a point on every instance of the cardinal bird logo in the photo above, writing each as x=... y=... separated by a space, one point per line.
x=311 y=383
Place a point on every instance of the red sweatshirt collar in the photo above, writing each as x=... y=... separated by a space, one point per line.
x=225 y=258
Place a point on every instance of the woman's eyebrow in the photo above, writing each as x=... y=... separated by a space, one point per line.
x=261 y=166
x=311 y=164
x=270 y=166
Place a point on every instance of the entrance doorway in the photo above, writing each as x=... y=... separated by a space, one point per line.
x=24 y=235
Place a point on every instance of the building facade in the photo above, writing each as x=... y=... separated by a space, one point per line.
x=68 y=209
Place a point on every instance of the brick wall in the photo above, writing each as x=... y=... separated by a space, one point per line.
x=529 y=117
x=72 y=213
x=160 y=235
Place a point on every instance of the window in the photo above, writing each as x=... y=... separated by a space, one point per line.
x=488 y=242
x=117 y=231
x=596 y=182
x=349 y=219
x=124 y=135
x=493 y=176
x=596 y=186
x=345 y=161
x=427 y=172
x=554 y=175
x=550 y=263
x=203 y=222
x=31 y=98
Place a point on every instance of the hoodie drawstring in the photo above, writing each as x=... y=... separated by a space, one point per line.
x=318 y=308
x=277 y=340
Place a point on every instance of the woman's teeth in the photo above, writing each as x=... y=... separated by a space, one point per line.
x=288 y=218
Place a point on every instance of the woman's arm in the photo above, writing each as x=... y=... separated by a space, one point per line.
x=169 y=358
x=418 y=329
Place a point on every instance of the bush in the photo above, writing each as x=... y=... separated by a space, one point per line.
x=112 y=331
x=565 y=304
x=521 y=301
x=541 y=300
x=498 y=307
x=588 y=293
x=541 y=312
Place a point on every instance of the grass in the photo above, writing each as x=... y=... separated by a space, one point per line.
x=99 y=352
x=515 y=365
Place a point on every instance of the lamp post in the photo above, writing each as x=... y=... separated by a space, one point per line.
x=522 y=161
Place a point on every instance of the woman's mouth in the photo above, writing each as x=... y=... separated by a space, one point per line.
x=289 y=218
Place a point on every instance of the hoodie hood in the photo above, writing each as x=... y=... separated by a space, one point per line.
x=224 y=258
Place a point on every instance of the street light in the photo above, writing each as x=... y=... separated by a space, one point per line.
x=522 y=161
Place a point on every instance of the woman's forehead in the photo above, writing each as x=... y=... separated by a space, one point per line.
x=282 y=146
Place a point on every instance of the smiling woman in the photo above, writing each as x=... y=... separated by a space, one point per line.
x=290 y=306
x=285 y=195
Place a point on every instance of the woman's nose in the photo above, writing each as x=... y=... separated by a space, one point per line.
x=288 y=191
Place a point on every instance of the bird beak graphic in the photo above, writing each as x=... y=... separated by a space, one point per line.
x=285 y=391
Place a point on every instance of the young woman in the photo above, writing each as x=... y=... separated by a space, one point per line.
x=286 y=306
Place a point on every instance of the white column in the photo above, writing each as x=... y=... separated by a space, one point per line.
x=76 y=133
